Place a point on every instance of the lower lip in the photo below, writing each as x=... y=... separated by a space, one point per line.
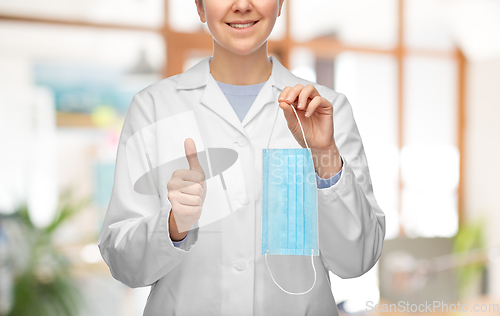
x=243 y=29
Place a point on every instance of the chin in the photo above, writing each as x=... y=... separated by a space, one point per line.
x=245 y=49
x=243 y=52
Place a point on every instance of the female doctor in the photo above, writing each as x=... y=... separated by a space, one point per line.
x=194 y=234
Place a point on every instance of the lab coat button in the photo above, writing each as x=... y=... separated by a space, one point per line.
x=244 y=200
x=240 y=264
x=242 y=142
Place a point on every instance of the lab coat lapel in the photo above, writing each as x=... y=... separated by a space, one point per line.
x=214 y=99
x=266 y=96
x=280 y=78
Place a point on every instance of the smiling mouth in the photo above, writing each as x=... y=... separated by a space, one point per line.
x=241 y=26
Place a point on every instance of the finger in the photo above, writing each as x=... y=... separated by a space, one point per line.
x=292 y=95
x=318 y=104
x=309 y=92
x=184 y=212
x=193 y=189
x=313 y=105
x=284 y=93
x=175 y=187
x=188 y=175
x=289 y=115
x=189 y=199
x=186 y=186
x=191 y=155
x=287 y=108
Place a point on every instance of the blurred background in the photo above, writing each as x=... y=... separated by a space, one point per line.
x=422 y=76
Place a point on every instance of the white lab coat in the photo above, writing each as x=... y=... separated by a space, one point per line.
x=220 y=269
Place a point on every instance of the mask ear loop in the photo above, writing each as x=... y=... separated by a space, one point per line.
x=312 y=250
x=272 y=130
x=300 y=124
x=292 y=293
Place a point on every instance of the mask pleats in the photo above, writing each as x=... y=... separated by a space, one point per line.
x=289 y=203
x=310 y=210
x=299 y=200
x=292 y=207
x=278 y=205
x=265 y=200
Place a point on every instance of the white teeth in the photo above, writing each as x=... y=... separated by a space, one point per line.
x=241 y=26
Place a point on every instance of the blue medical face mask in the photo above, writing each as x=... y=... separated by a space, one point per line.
x=289 y=204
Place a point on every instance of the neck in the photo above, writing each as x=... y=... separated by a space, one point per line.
x=231 y=68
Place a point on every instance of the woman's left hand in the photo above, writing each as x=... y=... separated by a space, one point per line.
x=315 y=113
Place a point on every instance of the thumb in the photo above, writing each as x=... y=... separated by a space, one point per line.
x=289 y=114
x=191 y=155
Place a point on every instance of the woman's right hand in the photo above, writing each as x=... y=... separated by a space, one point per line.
x=187 y=190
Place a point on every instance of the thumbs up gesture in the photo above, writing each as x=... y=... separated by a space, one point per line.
x=186 y=192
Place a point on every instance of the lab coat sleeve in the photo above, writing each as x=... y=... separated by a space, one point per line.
x=351 y=224
x=134 y=240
